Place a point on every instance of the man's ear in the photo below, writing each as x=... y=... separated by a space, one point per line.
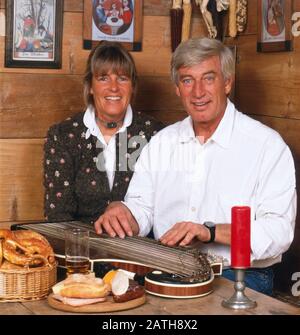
x=228 y=85
x=91 y=91
x=177 y=91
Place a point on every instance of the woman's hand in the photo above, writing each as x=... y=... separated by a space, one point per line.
x=117 y=220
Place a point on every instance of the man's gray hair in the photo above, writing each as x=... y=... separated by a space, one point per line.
x=196 y=50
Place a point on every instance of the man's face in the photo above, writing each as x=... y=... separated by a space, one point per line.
x=203 y=91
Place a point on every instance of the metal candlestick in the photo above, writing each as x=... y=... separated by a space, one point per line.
x=239 y=300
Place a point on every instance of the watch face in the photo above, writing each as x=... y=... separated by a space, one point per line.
x=209 y=224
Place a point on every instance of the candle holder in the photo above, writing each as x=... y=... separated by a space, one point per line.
x=239 y=300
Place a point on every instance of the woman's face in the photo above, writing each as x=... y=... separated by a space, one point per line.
x=112 y=94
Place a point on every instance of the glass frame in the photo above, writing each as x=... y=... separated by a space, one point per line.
x=34 y=33
x=274 y=28
x=89 y=39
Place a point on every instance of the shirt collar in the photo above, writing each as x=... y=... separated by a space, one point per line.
x=221 y=135
x=186 y=130
x=89 y=121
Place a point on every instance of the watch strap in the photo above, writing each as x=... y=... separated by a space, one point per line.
x=212 y=230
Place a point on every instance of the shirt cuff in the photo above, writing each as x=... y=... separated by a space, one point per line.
x=144 y=228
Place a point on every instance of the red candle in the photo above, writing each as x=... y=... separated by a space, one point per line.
x=240 y=237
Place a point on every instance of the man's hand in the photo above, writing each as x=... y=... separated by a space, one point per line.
x=183 y=233
x=117 y=220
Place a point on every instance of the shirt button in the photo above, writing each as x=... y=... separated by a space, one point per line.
x=193 y=209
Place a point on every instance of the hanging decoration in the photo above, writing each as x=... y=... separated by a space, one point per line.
x=207 y=17
x=241 y=15
x=176 y=13
x=186 y=25
x=212 y=12
x=232 y=18
x=237 y=16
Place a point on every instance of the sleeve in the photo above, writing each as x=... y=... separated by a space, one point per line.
x=140 y=194
x=272 y=230
x=60 y=202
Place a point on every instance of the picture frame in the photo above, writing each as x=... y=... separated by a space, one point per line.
x=274 y=29
x=113 y=20
x=34 y=33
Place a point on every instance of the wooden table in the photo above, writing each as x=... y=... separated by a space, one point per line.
x=208 y=305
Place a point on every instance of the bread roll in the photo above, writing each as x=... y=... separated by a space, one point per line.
x=81 y=286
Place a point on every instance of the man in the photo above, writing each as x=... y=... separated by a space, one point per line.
x=193 y=172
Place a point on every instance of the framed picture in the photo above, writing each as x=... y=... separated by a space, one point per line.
x=34 y=33
x=113 y=20
x=274 y=25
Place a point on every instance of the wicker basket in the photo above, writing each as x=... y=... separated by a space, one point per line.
x=26 y=284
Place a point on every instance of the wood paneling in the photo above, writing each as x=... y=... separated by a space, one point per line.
x=25 y=114
x=265 y=66
x=32 y=102
x=278 y=98
x=73 y=5
x=156 y=55
x=21 y=192
x=157 y=93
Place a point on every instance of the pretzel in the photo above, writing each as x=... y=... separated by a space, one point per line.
x=25 y=248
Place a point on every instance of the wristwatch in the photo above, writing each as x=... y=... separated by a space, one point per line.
x=212 y=228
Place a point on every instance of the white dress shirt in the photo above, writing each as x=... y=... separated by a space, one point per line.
x=243 y=163
x=109 y=149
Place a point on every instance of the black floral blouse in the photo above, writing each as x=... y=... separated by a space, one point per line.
x=75 y=187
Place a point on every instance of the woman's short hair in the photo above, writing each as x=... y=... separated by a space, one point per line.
x=196 y=50
x=108 y=57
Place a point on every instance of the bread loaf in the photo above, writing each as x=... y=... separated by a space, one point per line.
x=83 y=290
x=81 y=286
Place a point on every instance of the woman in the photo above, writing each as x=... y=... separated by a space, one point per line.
x=127 y=14
x=89 y=158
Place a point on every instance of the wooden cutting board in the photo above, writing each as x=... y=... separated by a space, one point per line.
x=100 y=307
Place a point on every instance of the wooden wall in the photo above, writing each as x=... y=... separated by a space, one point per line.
x=267 y=87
